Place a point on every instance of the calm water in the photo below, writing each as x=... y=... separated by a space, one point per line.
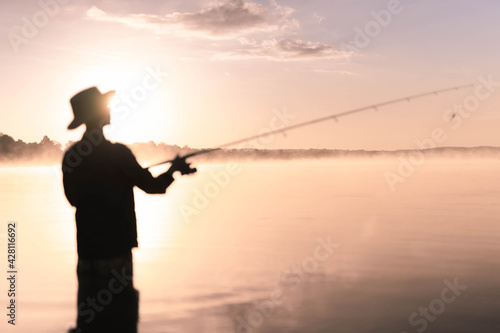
x=215 y=252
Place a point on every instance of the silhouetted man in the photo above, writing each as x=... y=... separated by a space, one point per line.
x=99 y=177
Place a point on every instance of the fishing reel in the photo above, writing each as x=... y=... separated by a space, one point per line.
x=180 y=164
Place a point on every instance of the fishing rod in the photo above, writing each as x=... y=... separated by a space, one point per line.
x=312 y=122
x=200 y=152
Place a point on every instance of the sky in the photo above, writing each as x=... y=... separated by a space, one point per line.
x=203 y=73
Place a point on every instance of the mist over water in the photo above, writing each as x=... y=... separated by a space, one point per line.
x=217 y=247
x=48 y=152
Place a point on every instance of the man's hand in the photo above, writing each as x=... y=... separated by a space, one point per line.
x=180 y=164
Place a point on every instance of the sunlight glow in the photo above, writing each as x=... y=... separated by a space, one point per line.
x=141 y=106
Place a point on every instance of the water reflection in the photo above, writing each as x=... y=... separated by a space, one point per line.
x=397 y=249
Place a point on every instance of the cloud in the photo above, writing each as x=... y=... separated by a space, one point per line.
x=221 y=18
x=263 y=32
x=95 y=12
x=331 y=71
x=317 y=18
x=224 y=17
x=284 y=49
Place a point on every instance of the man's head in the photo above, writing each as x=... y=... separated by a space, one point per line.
x=90 y=107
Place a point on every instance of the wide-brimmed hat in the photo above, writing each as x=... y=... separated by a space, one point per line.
x=88 y=105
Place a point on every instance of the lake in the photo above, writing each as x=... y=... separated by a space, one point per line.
x=280 y=246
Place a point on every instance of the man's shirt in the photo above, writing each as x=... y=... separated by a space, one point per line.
x=99 y=180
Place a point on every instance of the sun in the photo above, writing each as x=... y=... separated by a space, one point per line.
x=134 y=120
x=140 y=107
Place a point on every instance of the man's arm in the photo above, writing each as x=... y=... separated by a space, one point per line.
x=68 y=184
x=164 y=180
x=69 y=189
x=143 y=179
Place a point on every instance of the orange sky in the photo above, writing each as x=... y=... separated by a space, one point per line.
x=201 y=73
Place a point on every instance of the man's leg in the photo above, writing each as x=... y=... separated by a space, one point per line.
x=124 y=310
x=107 y=299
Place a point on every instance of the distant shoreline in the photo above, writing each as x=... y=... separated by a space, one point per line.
x=48 y=152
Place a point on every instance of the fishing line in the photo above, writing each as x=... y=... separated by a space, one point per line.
x=317 y=120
